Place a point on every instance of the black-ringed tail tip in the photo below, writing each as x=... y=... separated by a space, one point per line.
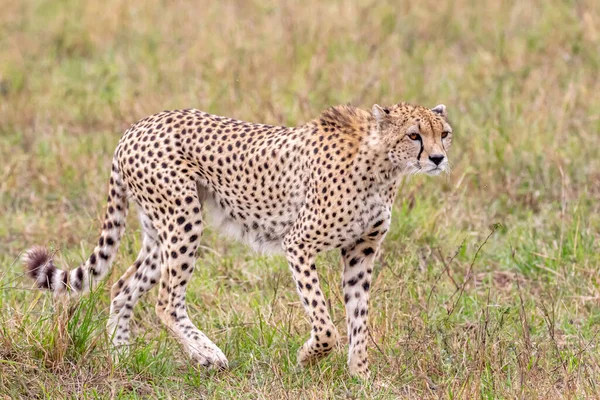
x=40 y=267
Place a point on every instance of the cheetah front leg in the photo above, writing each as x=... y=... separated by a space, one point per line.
x=358 y=267
x=323 y=336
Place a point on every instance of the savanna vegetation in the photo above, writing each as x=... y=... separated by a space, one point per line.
x=489 y=282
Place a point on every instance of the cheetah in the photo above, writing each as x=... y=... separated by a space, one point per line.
x=327 y=184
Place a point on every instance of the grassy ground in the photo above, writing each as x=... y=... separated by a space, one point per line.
x=489 y=285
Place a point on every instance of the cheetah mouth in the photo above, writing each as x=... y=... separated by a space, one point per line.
x=434 y=171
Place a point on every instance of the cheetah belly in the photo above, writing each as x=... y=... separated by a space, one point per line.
x=262 y=233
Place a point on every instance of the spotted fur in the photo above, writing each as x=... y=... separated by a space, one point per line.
x=327 y=184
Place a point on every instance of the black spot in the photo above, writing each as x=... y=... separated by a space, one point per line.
x=368 y=251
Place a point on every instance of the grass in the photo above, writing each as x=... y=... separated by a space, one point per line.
x=488 y=286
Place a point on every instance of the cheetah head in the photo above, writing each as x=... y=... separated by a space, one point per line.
x=416 y=138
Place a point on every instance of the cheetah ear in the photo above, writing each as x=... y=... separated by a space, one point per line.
x=440 y=109
x=381 y=114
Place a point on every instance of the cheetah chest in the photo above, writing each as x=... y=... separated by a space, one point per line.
x=371 y=217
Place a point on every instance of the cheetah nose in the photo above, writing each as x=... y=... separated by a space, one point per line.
x=436 y=158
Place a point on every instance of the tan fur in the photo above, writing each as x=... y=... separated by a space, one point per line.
x=328 y=184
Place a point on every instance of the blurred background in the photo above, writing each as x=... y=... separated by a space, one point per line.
x=488 y=283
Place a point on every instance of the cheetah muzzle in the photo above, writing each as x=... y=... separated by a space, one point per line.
x=327 y=184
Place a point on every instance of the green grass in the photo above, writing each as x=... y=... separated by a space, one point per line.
x=488 y=285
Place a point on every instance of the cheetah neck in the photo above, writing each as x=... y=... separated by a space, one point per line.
x=354 y=141
x=372 y=160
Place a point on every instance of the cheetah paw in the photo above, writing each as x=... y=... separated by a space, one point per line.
x=208 y=356
x=311 y=352
x=359 y=370
x=120 y=352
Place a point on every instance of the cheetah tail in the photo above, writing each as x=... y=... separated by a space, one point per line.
x=40 y=266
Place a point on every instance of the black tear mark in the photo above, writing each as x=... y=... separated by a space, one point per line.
x=421 y=150
x=421 y=141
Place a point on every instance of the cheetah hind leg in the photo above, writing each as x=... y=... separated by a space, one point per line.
x=139 y=278
x=179 y=236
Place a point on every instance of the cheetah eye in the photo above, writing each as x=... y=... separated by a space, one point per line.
x=445 y=134
x=414 y=136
